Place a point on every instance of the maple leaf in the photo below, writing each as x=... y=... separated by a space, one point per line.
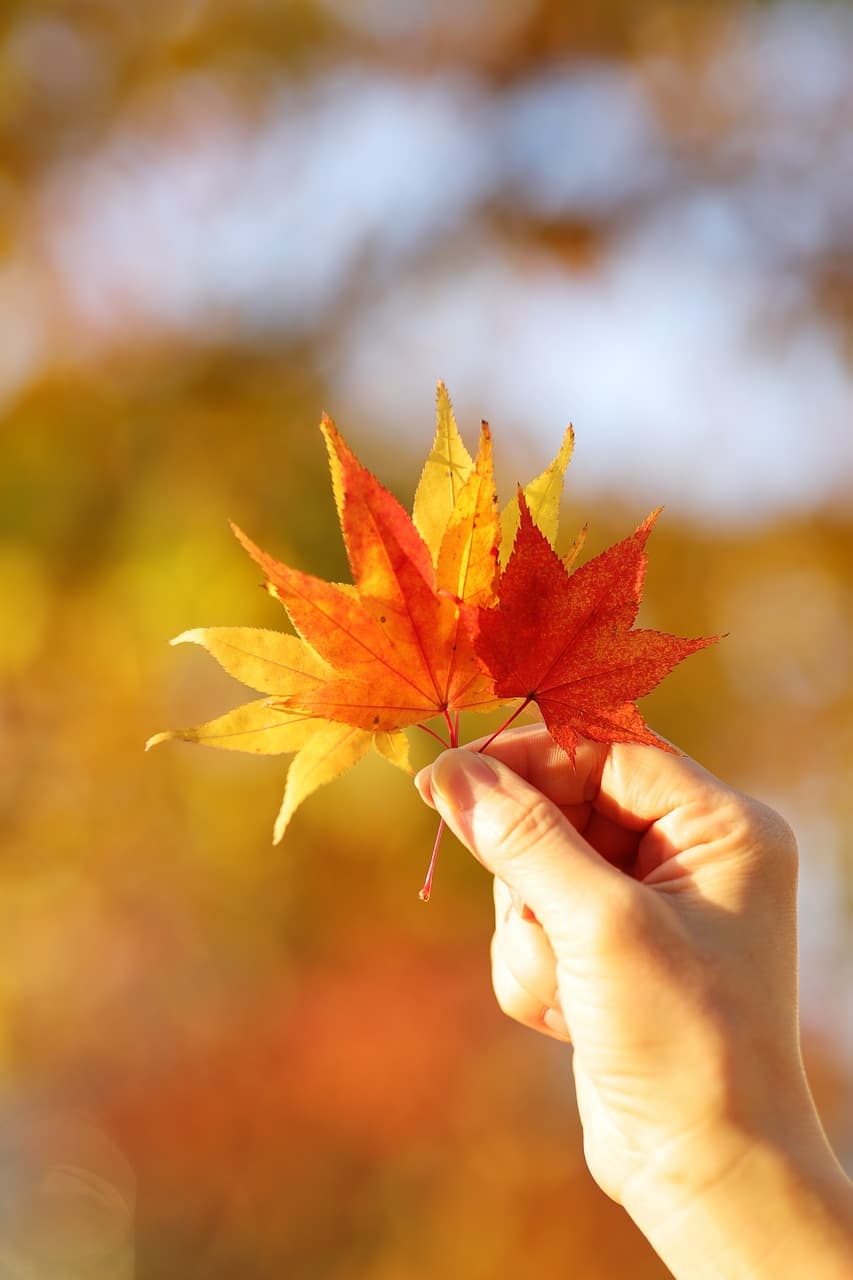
x=542 y=497
x=564 y=640
x=391 y=649
x=268 y=661
x=395 y=642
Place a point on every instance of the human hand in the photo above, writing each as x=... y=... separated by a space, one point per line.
x=658 y=933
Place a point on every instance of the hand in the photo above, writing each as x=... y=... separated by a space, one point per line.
x=647 y=912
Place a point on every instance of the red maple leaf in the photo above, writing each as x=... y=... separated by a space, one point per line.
x=564 y=640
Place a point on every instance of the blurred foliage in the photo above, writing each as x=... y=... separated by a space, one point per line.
x=302 y=1063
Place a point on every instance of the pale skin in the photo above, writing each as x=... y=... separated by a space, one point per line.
x=646 y=912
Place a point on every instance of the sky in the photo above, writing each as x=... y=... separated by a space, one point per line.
x=688 y=351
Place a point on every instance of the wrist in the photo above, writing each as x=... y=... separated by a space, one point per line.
x=750 y=1206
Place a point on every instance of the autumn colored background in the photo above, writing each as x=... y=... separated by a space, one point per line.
x=218 y=218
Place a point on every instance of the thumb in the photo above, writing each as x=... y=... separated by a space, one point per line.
x=520 y=836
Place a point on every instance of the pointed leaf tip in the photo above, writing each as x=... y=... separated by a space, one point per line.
x=193 y=636
x=394 y=747
x=337 y=450
x=445 y=473
x=331 y=751
x=156 y=739
x=645 y=528
x=567 y=448
x=542 y=496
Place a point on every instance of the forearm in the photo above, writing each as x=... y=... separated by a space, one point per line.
x=780 y=1212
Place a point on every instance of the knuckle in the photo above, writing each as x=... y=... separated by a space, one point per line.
x=769 y=835
x=785 y=850
x=526 y=827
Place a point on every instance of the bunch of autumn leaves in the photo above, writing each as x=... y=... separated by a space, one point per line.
x=437 y=622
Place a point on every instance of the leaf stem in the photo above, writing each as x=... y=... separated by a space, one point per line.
x=432 y=733
x=518 y=710
x=427 y=885
x=454 y=732
x=453 y=727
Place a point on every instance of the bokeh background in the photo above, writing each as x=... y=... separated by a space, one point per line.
x=217 y=218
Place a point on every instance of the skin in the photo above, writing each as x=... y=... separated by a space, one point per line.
x=646 y=912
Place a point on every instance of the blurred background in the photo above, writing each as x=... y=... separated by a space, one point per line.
x=218 y=218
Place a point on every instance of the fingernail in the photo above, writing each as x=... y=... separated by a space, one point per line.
x=461 y=778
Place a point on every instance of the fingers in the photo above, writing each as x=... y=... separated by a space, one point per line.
x=532 y=753
x=521 y=950
x=641 y=785
x=524 y=839
x=627 y=783
x=525 y=948
x=518 y=1000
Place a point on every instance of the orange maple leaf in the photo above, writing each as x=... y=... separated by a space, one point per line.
x=565 y=640
x=398 y=651
x=391 y=649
